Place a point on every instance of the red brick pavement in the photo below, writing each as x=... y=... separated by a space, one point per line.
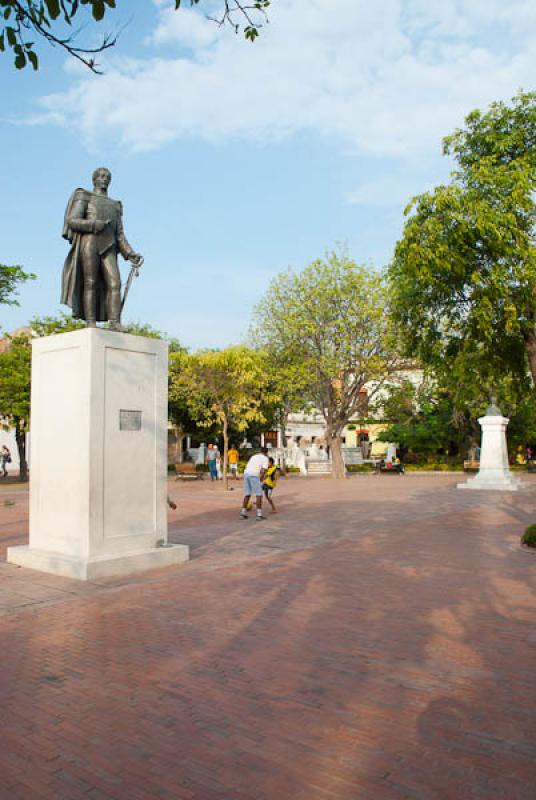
x=376 y=640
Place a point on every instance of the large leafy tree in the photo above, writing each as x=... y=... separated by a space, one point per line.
x=329 y=328
x=228 y=388
x=52 y=21
x=464 y=272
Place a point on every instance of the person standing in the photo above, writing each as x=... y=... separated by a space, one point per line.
x=253 y=480
x=212 y=455
x=233 y=457
x=5 y=458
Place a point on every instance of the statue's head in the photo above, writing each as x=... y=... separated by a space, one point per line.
x=101 y=178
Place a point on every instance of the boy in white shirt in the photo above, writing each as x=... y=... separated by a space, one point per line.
x=253 y=478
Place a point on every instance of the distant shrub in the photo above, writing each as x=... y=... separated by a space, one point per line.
x=201 y=467
x=529 y=537
x=437 y=462
x=368 y=468
x=434 y=466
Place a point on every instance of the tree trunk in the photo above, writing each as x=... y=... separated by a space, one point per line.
x=530 y=347
x=283 y=428
x=338 y=469
x=20 y=438
x=225 y=451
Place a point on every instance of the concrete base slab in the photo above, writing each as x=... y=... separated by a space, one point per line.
x=506 y=485
x=97 y=567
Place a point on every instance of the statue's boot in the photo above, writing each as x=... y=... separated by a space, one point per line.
x=114 y=310
x=90 y=308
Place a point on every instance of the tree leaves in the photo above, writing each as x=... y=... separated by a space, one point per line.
x=10 y=279
x=328 y=328
x=53 y=8
x=230 y=384
x=41 y=17
x=463 y=276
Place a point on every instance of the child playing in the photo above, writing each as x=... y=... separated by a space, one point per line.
x=270 y=480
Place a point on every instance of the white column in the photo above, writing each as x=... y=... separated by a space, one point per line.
x=98 y=481
x=494 y=472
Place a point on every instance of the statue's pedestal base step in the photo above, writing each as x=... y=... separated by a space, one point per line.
x=496 y=481
x=99 y=567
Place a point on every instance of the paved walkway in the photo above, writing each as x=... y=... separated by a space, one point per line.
x=376 y=640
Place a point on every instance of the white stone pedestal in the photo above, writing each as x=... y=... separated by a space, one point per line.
x=494 y=473
x=99 y=456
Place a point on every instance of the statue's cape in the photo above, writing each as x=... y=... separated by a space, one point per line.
x=72 y=284
x=67 y=233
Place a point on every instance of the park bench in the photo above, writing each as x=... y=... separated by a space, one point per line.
x=470 y=465
x=390 y=469
x=186 y=471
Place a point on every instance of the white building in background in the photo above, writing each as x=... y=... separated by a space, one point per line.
x=305 y=433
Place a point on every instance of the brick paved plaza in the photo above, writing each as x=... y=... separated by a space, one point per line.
x=376 y=640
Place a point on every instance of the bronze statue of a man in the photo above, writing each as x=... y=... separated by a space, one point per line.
x=91 y=283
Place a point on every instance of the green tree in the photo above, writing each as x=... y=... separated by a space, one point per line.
x=144 y=329
x=10 y=278
x=52 y=21
x=330 y=329
x=422 y=419
x=439 y=416
x=463 y=275
x=224 y=387
x=49 y=325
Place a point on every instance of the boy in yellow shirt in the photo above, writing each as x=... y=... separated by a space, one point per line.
x=270 y=480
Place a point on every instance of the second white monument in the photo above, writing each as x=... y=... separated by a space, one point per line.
x=494 y=472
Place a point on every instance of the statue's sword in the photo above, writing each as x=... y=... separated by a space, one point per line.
x=134 y=271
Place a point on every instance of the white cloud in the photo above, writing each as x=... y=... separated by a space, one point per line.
x=389 y=78
x=187 y=28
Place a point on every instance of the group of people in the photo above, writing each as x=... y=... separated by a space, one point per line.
x=213 y=461
x=260 y=477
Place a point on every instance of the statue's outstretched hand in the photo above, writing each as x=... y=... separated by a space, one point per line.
x=136 y=259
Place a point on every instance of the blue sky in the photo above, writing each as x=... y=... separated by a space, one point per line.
x=233 y=160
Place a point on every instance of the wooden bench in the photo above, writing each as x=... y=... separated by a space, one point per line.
x=470 y=465
x=388 y=468
x=187 y=471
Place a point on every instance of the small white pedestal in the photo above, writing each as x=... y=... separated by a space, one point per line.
x=98 y=456
x=494 y=473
